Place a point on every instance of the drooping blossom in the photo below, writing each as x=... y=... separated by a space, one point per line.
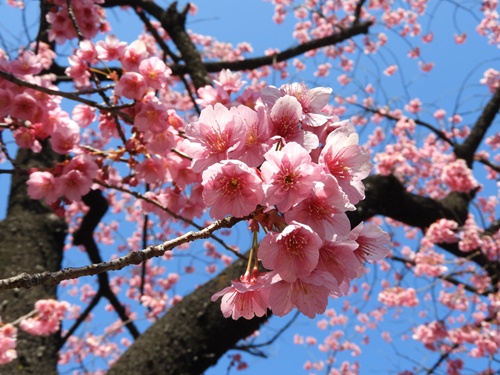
x=247 y=297
x=293 y=253
x=231 y=188
x=309 y=295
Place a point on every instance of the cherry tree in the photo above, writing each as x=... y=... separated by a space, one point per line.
x=297 y=180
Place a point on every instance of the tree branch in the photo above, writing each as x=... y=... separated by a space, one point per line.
x=468 y=148
x=26 y=280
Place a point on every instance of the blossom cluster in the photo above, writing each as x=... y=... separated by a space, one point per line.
x=44 y=320
x=296 y=171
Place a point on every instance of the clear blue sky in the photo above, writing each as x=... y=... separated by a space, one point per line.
x=237 y=21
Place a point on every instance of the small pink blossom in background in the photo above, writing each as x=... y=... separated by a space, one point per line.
x=427 y=38
x=152 y=170
x=390 y=70
x=230 y=81
x=65 y=137
x=398 y=296
x=8 y=336
x=439 y=114
x=293 y=253
x=414 y=53
x=491 y=78
x=458 y=177
x=442 y=231
x=455 y=119
x=152 y=117
x=231 y=188
x=460 y=39
x=49 y=313
x=343 y=79
x=425 y=67
x=83 y=115
x=414 y=106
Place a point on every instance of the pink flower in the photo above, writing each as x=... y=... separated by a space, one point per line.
x=133 y=55
x=131 y=85
x=346 y=161
x=65 y=137
x=459 y=177
x=42 y=185
x=257 y=135
x=246 y=298
x=152 y=117
x=155 y=72
x=293 y=253
x=460 y=39
x=442 y=231
x=323 y=210
x=289 y=176
x=231 y=188
x=312 y=101
x=83 y=115
x=214 y=136
x=309 y=295
x=47 y=320
x=8 y=336
x=83 y=163
x=372 y=242
x=390 y=70
x=229 y=81
x=110 y=49
x=151 y=170
x=338 y=258
x=73 y=185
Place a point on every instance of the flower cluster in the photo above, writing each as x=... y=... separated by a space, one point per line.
x=295 y=171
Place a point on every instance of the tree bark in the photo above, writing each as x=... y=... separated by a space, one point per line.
x=31 y=240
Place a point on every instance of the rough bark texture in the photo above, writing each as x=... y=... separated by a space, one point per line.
x=191 y=337
x=31 y=240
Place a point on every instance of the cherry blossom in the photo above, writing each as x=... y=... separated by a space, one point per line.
x=231 y=187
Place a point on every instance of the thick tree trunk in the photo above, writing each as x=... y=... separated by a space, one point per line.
x=190 y=337
x=31 y=240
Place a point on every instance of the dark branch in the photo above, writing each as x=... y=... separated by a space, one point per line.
x=468 y=148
